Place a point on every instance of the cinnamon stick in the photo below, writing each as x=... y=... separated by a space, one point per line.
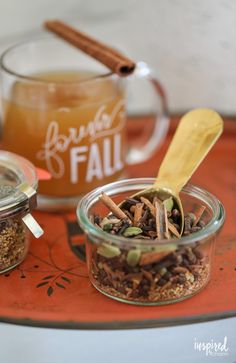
x=149 y=205
x=173 y=230
x=151 y=257
x=108 y=56
x=105 y=199
x=158 y=221
x=138 y=211
x=161 y=220
x=166 y=230
x=198 y=214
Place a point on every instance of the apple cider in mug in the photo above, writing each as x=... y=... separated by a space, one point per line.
x=70 y=123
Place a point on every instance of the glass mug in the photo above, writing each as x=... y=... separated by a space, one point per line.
x=66 y=113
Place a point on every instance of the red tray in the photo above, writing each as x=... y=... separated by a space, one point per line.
x=51 y=287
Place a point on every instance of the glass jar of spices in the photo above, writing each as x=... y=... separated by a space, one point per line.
x=18 y=185
x=149 y=271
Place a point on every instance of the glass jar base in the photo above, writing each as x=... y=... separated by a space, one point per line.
x=148 y=302
x=159 y=296
x=9 y=268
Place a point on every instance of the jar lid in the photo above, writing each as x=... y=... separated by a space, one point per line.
x=18 y=185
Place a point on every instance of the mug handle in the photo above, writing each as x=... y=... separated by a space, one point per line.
x=141 y=154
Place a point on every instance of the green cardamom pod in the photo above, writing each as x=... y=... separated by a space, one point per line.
x=108 y=251
x=107 y=227
x=104 y=221
x=132 y=231
x=169 y=204
x=133 y=257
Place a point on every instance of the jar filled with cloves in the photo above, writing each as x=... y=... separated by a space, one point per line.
x=136 y=250
x=18 y=185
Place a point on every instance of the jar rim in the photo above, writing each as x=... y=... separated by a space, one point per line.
x=24 y=181
x=199 y=193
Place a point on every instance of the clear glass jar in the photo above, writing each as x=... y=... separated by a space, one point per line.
x=182 y=272
x=18 y=184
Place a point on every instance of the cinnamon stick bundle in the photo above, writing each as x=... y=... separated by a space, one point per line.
x=108 y=56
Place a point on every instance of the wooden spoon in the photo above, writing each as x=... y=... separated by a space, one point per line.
x=197 y=132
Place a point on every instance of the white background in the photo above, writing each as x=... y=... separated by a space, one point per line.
x=167 y=345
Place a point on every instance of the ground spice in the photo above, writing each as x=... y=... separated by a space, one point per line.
x=12 y=242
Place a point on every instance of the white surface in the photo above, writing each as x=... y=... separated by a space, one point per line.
x=190 y=43
x=170 y=345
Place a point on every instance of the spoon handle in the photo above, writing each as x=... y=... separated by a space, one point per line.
x=197 y=132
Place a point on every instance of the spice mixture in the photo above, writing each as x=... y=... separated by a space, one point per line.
x=12 y=242
x=164 y=272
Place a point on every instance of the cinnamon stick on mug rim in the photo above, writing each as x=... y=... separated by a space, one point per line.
x=108 y=56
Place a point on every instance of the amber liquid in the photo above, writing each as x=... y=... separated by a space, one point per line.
x=72 y=127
